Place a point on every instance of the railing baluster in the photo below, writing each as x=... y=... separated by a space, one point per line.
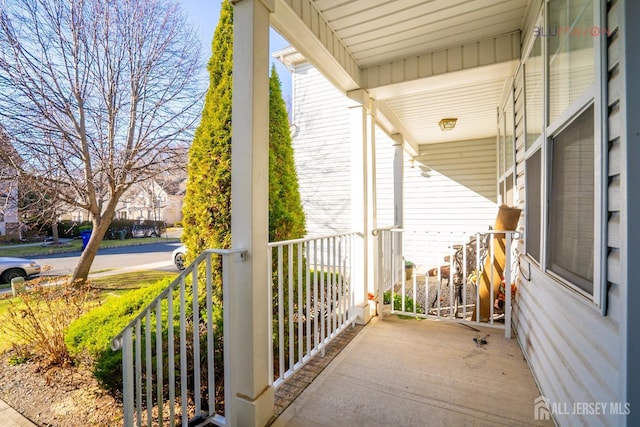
x=507 y=286
x=280 y=314
x=183 y=354
x=323 y=303
x=478 y=276
x=331 y=265
x=308 y=297
x=211 y=401
x=300 y=306
x=316 y=301
x=452 y=284
x=338 y=298
x=352 y=301
x=465 y=273
x=127 y=377
x=491 y=275
x=159 y=363
x=196 y=343
x=270 y=310
x=290 y=325
x=171 y=359
x=148 y=362
x=414 y=281
x=381 y=266
x=439 y=279
x=138 y=371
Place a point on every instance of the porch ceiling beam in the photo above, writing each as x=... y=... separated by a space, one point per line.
x=300 y=23
x=487 y=59
x=387 y=120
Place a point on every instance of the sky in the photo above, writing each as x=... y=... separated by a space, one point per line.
x=204 y=16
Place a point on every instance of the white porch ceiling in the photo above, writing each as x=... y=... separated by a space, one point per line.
x=379 y=31
x=420 y=60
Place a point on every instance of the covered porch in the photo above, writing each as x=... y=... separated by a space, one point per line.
x=404 y=66
x=408 y=372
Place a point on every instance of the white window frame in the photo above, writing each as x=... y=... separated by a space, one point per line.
x=596 y=94
x=507 y=107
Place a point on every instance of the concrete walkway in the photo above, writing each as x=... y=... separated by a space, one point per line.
x=399 y=372
x=9 y=417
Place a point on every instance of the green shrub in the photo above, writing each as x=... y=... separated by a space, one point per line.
x=91 y=334
x=397 y=302
x=70 y=229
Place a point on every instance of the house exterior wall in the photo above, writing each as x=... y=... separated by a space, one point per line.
x=9 y=224
x=575 y=351
x=460 y=193
x=322 y=152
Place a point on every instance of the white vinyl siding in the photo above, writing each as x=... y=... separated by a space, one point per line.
x=573 y=350
x=322 y=152
x=385 y=152
x=460 y=193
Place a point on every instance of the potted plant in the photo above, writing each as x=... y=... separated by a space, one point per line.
x=408 y=269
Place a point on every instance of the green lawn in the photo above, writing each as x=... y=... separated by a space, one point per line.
x=107 y=287
x=73 y=246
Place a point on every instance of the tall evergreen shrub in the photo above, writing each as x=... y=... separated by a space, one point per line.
x=207 y=206
x=286 y=215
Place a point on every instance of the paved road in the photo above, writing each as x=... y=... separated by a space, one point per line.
x=156 y=256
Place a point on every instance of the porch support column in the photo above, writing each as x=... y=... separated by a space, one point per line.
x=251 y=397
x=398 y=202
x=362 y=198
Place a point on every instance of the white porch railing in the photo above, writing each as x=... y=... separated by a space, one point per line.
x=172 y=353
x=312 y=298
x=169 y=378
x=440 y=274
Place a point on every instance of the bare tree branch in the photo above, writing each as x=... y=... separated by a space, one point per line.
x=97 y=95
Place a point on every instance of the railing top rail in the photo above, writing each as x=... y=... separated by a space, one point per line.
x=116 y=342
x=308 y=239
x=375 y=231
x=461 y=232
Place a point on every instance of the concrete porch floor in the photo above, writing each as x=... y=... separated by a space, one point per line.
x=399 y=372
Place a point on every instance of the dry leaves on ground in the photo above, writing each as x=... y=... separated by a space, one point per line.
x=60 y=397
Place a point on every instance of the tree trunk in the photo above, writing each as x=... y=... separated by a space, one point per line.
x=81 y=272
x=54 y=231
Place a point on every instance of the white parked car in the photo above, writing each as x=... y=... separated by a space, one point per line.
x=10 y=268
x=178 y=257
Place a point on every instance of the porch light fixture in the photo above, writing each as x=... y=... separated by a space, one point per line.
x=448 y=124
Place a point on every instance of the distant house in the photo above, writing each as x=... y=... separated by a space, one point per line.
x=152 y=200
x=9 y=222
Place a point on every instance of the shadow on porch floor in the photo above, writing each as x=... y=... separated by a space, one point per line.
x=398 y=372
